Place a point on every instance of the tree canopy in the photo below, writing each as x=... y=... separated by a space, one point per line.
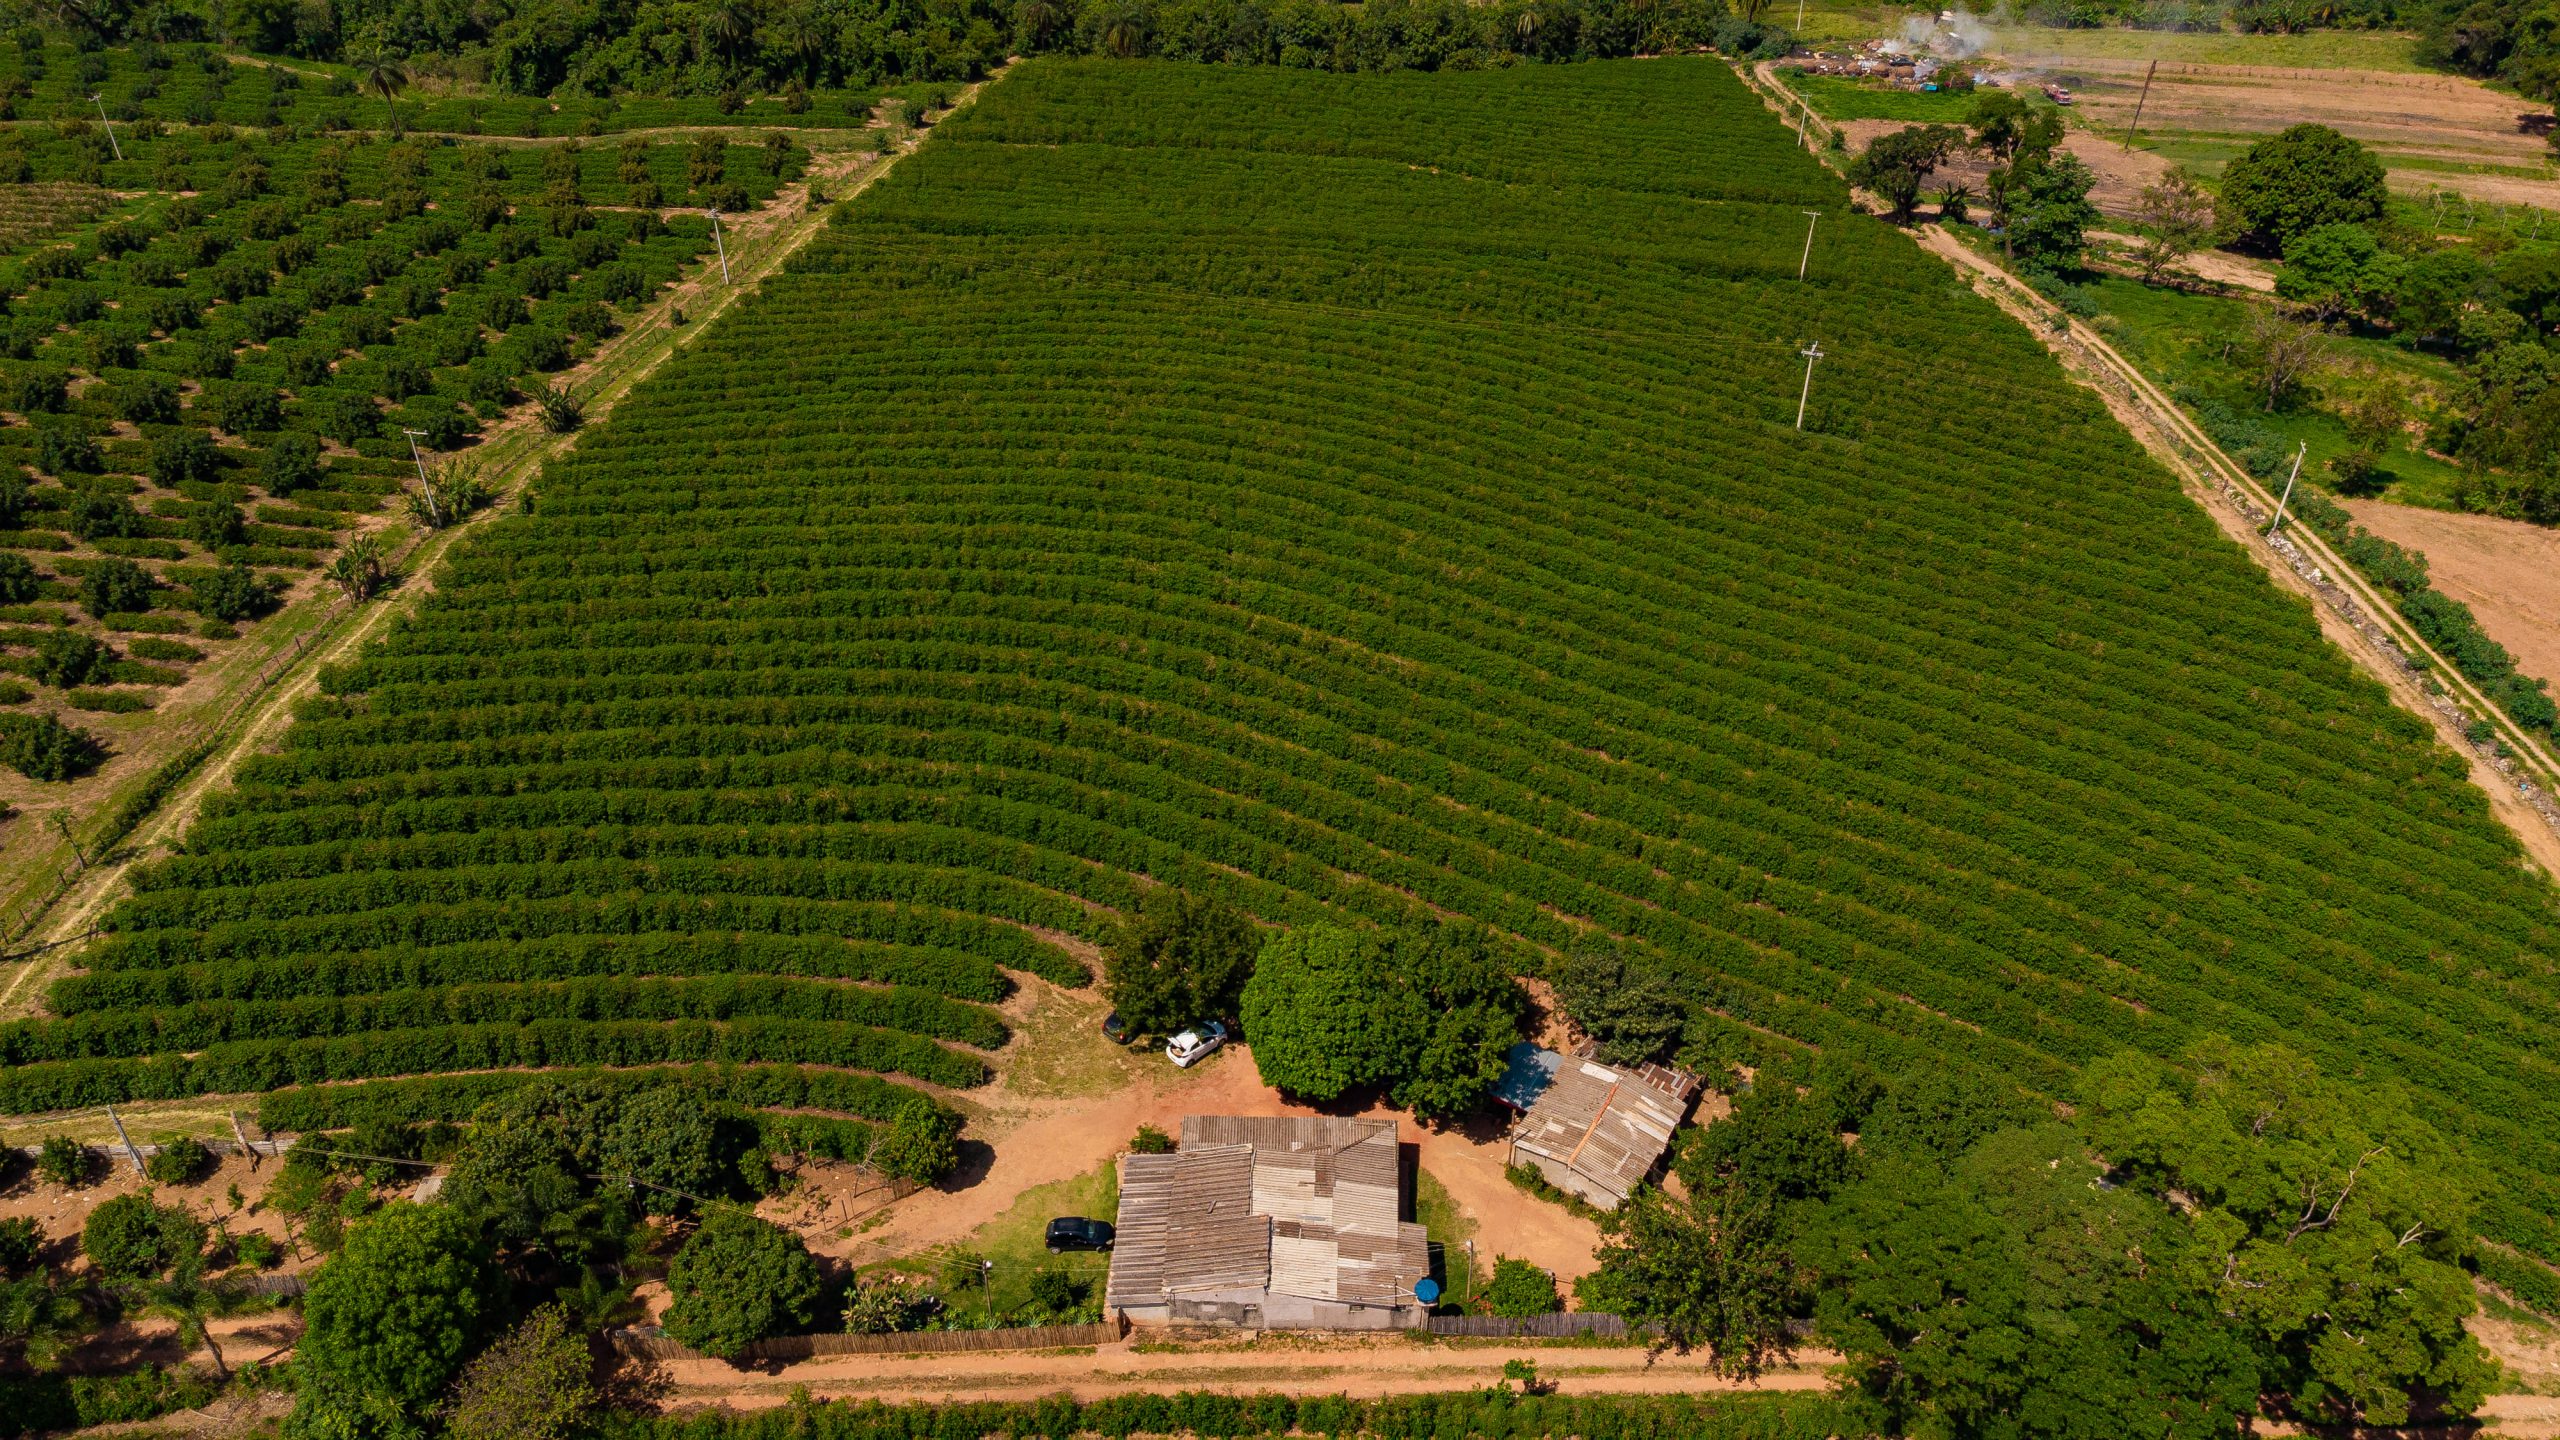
x=134 y=1237
x=1987 y=1270
x=532 y=1384
x=390 y=1320
x=1625 y=1002
x=1897 y=163
x=738 y=1280
x=2297 y=181
x=1428 y=1016
x=1179 y=959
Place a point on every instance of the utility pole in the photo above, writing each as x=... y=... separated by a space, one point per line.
x=101 y=103
x=414 y=455
x=2139 y=101
x=1803 y=111
x=2288 y=490
x=1811 y=218
x=130 y=1153
x=62 y=826
x=1810 y=353
x=724 y=247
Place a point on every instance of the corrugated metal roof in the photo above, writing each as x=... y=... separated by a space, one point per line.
x=1187 y=1223
x=1608 y=1125
x=1299 y=1205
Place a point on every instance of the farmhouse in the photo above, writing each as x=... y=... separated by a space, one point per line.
x=1281 y=1222
x=1593 y=1130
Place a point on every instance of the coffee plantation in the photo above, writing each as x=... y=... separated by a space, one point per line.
x=1360 y=497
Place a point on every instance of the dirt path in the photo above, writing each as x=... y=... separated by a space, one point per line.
x=2347 y=610
x=1359 y=1366
x=2220 y=267
x=515 y=451
x=2507 y=571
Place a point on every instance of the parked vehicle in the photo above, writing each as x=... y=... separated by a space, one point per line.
x=1075 y=1232
x=1191 y=1044
x=1115 y=1029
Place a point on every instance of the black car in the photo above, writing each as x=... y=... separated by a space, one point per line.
x=1115 y=1029
x=1074 y=1232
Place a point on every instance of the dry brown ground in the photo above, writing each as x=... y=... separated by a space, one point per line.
x=2426 y=127
x=2507 y=571
x=1065 y=1101
x=2121 y=174
x=62 y=1212
x=2445 y=116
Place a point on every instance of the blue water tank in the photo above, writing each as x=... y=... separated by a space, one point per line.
x=1427 y=1290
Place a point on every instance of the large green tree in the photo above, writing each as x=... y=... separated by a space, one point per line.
x=1897 y=163
x=670 y=1143
x=1428 y=1016
x=534 y=1383
x=2047 y=209
x=2338 y=270
x=1321 y=1016
x=389 y=1321
x=1711 y=1271
x=134 y=1237
x=2326 y=1219
x=738 y=1280
x=1180 y=958
x=2299 y=180
x=1623 y=1000
x=2007 y=1295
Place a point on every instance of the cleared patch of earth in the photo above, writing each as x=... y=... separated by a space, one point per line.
x=1066 y=1101
x=2507 y=571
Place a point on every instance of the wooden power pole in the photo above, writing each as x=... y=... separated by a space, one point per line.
x=2138 y=102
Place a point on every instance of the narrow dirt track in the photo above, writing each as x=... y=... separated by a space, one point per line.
x=1359 y=1366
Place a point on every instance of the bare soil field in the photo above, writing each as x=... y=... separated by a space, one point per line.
x=2507 y=571
x=2432 y=131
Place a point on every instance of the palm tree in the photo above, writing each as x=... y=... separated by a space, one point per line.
x=39 y=1320
x=193 y=1302
x=384 y=76
x=726 y=29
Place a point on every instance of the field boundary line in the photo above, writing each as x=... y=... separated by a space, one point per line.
x=606 y=378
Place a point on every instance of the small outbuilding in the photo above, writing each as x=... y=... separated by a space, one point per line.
x=1269 y=1222
x=1596 y=1131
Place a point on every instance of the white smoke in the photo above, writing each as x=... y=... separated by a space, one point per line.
x=1949 y=35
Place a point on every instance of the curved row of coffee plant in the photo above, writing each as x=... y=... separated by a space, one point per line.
x=1374 y=496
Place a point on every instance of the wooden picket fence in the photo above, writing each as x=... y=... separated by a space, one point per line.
x=785 y=1349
